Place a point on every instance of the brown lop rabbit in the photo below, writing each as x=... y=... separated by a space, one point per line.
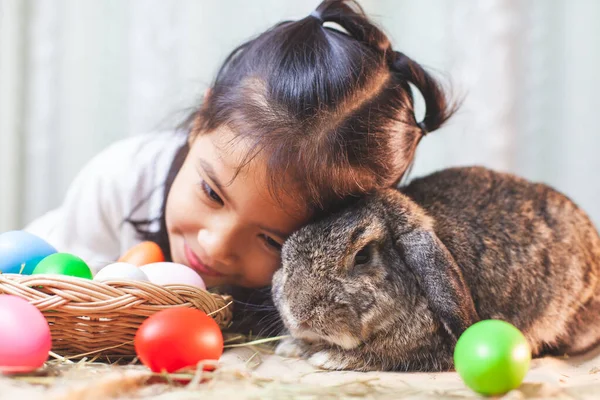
x=391 y=281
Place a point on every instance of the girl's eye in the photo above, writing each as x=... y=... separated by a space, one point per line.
x=272 y=242
x=210 y=193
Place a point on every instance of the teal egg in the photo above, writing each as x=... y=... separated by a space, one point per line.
x=20 y=252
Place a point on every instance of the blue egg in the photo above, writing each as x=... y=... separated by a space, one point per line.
x=20 y=249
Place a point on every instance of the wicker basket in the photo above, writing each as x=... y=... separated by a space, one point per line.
x=101 y=318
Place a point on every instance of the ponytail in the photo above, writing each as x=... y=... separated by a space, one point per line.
x=437 y=110
x=350 y=16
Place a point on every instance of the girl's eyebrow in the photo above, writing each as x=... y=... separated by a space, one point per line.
x=210 y=173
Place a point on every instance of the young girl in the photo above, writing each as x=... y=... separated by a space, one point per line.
x=297 y=120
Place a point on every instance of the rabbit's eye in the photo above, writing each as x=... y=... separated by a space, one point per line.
x=363 y=256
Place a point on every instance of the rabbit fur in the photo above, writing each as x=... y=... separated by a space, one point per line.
x=392 y=280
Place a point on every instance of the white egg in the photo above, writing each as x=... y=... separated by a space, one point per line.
x=169 y=273
x=121 y=270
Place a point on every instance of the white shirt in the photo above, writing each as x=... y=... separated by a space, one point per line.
x=128 y=174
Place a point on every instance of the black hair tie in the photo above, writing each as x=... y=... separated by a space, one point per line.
x=399 y=61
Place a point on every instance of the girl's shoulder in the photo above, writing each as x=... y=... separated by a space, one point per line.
x=134 y=171
x=124 y=180
x=136 y=164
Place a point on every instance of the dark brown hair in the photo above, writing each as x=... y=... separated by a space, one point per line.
x=326 y=101
x=330 y=109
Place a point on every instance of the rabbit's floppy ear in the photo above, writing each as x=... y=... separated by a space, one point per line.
x=440 y=278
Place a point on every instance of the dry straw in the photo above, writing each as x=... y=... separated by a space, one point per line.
x=101 y=318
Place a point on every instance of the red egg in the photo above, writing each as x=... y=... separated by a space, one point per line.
x=176 y=338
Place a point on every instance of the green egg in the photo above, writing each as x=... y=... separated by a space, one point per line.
x=63 y=264
x=492 y=357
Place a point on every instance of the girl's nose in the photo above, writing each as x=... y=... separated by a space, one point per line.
x=217 y=244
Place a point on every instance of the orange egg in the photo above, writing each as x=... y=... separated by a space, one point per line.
x=142 y=254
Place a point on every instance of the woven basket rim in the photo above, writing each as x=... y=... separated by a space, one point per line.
x=86 y=315
x=89 y=287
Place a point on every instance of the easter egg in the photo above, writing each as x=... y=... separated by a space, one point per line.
x=492 y=357
x=142 y=254
x=63 y=264
x=20 y=249
x=169 y=273
x=121 y=270
x=24 y=336
x=176 y=338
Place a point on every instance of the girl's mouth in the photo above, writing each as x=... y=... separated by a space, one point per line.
x=197 y=265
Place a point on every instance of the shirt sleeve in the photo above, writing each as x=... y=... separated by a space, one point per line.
x=87 y=223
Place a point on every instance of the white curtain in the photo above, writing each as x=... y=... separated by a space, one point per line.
x=76 y=75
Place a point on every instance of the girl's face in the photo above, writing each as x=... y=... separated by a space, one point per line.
x=229 y=232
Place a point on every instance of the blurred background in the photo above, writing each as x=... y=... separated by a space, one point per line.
x=76 y=75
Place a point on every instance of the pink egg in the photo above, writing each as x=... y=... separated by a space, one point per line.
x=24 y=336
x=169 y=273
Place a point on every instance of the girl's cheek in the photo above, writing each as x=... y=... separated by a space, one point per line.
x=262 y=273
x=184 y=207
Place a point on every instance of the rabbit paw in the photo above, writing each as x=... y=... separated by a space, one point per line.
x=322 y=355
x=331 y=358
x=289 y=347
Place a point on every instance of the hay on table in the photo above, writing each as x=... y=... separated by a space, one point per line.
x=249 y=370
x=273 y=377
